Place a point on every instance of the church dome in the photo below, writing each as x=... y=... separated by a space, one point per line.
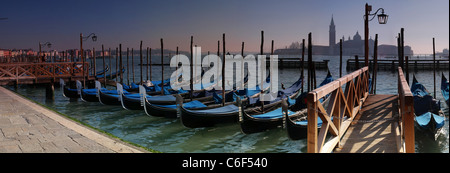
x=357 y=36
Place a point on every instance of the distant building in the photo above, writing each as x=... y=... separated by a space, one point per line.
x=350 y=46
x=5 y=53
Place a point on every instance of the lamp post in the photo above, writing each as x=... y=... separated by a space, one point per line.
x=48 y=44
x=382 y=19
x=94 y=38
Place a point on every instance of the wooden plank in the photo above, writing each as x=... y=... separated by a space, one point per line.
x=375 y=131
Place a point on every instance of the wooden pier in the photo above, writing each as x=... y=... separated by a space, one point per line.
x=34 y=73
x=355 y=121
x=296 y=63
x=393 y=64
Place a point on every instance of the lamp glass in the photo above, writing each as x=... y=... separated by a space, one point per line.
x=382 y=18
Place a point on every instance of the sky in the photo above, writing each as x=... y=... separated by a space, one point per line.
x=284 y=21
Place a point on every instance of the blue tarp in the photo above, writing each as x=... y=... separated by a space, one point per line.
x=445 y=89
x=424 y=120
x=277 y=113
x=219 y=110
x=188 y=105
x=169 y=98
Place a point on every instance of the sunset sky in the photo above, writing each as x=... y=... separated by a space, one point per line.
x=128 y=22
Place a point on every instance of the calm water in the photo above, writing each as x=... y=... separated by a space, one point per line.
x=169 y=135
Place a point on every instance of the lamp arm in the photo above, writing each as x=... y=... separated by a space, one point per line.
x=87 y=37
x=374 y=14
x=47 y=43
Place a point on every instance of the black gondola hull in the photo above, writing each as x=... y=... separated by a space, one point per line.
x=131 y=104
x=70 y=93
x=157 y=111
x=250 y=125
x=194 y=120
x=295 y=131
x=108 y=100
x=89 y=97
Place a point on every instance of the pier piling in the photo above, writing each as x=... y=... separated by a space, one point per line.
x=140 y=54
x=162 y=68
x=434 y=69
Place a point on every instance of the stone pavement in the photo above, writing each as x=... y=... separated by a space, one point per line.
x=26 y=127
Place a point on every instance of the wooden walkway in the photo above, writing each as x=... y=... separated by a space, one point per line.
x=356 y=122
x=375 y=129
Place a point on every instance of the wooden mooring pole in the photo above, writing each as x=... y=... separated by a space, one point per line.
x=310 y=87
x=132 y=64
x=162 y=67
x=147 y=65
x=434 y=68
x=120 y=64
x=191 y=90
x=95 y=63
x=128 y=67
x=260 y=69
x=242 y=67
x=407 y=69
x=110 y=63
x=104 y=66
x=140 y=54
x=375 y=65
x=117 y=64
x=402 y=47
x=340 y=58
x=150 y=57
x=302 y=64
x=223 y=70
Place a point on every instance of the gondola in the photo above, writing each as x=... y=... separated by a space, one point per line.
x=73 y=92
x=87 y=95
x=168 y=100
x=68 y=92
x=109 y=97
x=112 y=75
x=296 y=125
x=134 y=103
x=444 y=89
x=269 y=119
x=223 y=114
x=101 y=73
x=170 y=110
x=427 y=110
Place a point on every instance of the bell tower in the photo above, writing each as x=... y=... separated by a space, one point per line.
x=332 y=36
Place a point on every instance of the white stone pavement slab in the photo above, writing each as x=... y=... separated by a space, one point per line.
x=26 y=127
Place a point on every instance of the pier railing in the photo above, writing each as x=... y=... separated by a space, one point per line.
x=35 y=71
x=406 y=111
x=342 y=107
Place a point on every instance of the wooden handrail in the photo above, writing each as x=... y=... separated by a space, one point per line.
x=342 y=106
x=406 y=111
x=18 y=71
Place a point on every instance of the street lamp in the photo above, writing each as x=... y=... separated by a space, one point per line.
x=382 y=19
x=94 y=38
x=48 y=44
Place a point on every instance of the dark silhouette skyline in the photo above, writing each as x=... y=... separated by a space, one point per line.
x=129 y=22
